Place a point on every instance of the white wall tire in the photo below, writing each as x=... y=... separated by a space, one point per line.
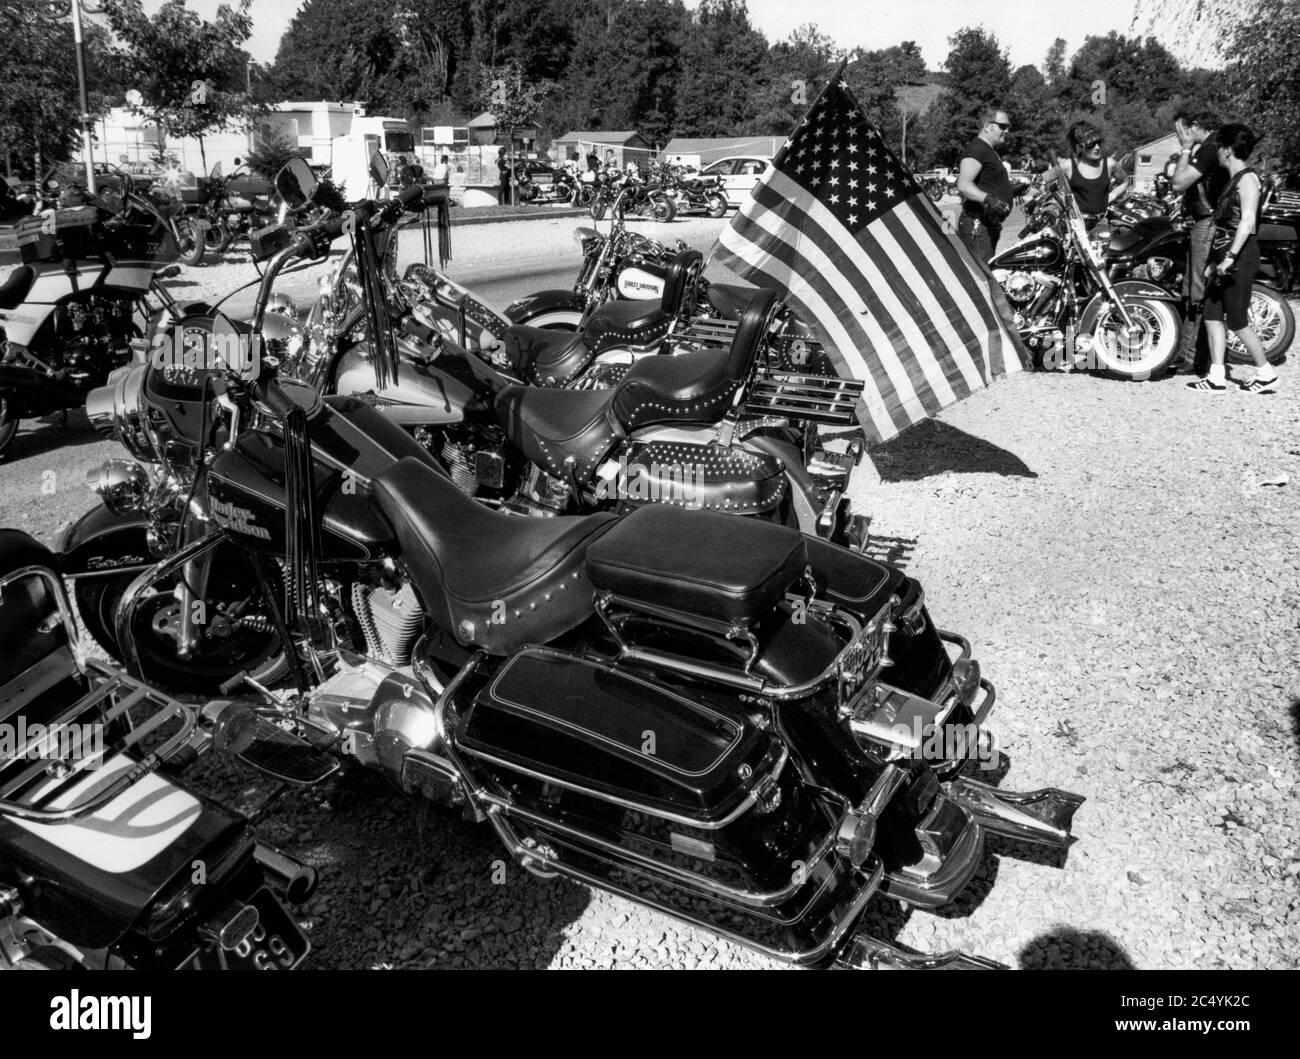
x=1146 y=352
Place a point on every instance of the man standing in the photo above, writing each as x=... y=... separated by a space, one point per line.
x=1199 y=179
x=504 y=174
x=442 y=171
x=984 y=186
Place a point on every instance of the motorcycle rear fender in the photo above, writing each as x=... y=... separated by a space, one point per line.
x=101 y=540
x=1131 y=289
x=543 y=301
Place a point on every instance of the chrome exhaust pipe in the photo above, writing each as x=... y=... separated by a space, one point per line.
x=1044 y=816
x=295 y=880
x=865 y=953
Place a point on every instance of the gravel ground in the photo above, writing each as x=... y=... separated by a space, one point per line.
x=1123 y=560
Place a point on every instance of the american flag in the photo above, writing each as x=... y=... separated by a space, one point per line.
x=849 y=238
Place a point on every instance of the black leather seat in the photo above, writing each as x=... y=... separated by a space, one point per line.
x=545 y=356
x=13 y=291
x=729 y=300
x=642 y=323
x=549 y=426
x=496 y=581
x=701 y=563
x=694 y=387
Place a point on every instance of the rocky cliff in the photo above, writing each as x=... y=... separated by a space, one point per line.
x=1195 y=31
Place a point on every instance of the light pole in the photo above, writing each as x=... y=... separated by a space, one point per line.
x=82 y=96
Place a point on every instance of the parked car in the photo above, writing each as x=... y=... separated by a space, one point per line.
x=740 y=175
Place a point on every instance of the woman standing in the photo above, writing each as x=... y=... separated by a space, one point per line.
x=1234 y=262
x=1093 y=178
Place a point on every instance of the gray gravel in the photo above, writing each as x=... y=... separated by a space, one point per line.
x=1128 y=582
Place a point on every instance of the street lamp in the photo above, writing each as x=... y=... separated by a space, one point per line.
x=81 y=89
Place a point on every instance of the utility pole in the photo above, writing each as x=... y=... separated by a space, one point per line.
x=85 y=102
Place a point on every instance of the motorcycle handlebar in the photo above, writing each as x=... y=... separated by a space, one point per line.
x=269 y=392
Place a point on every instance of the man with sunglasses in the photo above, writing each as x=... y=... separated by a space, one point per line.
x=984 y=186
x=1095 y=179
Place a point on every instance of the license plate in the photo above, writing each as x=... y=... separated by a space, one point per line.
x=276 y=944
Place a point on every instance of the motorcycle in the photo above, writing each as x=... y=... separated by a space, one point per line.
x=1065 y=304
x=226 y=208
x=559 y=186
x=631 y=194
x=693 y=193
x=89 y=287
x=1144 y=241
x=107 y=860
x=758 y=734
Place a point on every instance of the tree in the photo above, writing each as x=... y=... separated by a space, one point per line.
x=722 y=61
x=192 y=74
x=797 y=68
x=39 y=113
x=1054 y=63
x=979 y=74
x=513 y=102
x=1266 y=75
x=876 y=77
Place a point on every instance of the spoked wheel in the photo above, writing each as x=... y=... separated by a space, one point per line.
x=217 y=238
x=717 y=206
x=663 y=208
x=1272 y=319
x=8 y=423
x=1145 y=350
x=190 y=242
x=236 y=636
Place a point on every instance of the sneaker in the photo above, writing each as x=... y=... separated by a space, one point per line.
x=1207 y=385
x=1257 y=385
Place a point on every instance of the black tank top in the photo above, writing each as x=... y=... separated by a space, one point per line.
x=1090 y=193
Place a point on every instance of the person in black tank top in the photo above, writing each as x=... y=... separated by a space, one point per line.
x=1234 y=262
x=1094 y=178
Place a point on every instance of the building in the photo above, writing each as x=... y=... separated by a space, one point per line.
x=1150 y=159
x=628 y=146
x=482 y=132
x=123 y=136
x=699 y=151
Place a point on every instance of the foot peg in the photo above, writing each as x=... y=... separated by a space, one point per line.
x=258 y=742
x=1044 y=816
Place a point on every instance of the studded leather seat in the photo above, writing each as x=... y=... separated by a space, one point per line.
x=551 y=358
x=549 y=426
x=13 y=291
x=729 y=300
x=496 y=581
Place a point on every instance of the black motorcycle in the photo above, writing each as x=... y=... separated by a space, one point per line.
x=758 y=733
x=107 y=860
x=693 y=192
x=1146 y=240
x=89 y=287
x=630 y=194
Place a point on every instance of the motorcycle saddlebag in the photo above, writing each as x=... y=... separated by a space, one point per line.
x=705 y=564
x=75 y=234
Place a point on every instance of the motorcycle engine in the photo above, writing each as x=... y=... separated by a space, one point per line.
x=1020 y=287
x=91 y=338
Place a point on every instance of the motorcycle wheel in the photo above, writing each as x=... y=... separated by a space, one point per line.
x=191 y=244
x=584 y=196
x=717 y=206
x=663 y=209
x=1146 y=353
x=1273 y=320
x=8 y=424
x=934 y=190
x=256 y=652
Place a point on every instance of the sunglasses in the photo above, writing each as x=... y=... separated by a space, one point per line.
x=1092 y=144
x=1003 y=125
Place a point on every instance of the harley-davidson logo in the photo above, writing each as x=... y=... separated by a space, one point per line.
x=238 y=519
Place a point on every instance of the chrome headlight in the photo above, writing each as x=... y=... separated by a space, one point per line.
x=117 y=411
x=121 y=484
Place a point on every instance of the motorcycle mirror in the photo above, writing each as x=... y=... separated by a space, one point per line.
x=296 y=183
x=378 y=168
x=232 y=351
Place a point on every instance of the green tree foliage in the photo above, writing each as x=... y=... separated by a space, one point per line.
x=1266 y=74
x=797 y=69
x=979 y=75
x=722 y=60
x=191 y=73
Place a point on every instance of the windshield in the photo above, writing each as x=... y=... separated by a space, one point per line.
x=399 y=142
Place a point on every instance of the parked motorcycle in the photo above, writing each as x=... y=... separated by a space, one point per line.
x=694 y=192
x=225 y=208
x=88 y=287
x=1066 y=306
x=107 y=860
x=758 y=733
x=1145 y=241
x=630 y=194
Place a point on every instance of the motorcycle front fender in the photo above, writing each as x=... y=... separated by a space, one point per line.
x=101 y=541
x=544 y=302
x=1128 y=290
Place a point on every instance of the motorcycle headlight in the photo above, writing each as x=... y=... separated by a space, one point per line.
x=117 y=410
x=121 y=484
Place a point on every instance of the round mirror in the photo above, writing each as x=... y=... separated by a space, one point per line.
x=296 y=183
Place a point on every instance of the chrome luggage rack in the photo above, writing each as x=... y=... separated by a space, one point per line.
x=794 y=395
x=860 y=660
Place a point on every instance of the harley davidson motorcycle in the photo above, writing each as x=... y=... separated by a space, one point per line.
x=1145 y=241
x=693 y=192
x=1066 y=306
x=724 y=719
x=628 y=194
x=88 y=287
x=107 y=860
x=222 y=209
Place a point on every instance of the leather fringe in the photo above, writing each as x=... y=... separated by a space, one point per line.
x=302 y=523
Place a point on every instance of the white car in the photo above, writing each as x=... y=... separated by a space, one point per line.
x=740 y=175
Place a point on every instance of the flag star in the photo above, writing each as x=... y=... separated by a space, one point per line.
x=871 y=204
x=853 y=200
x=871 y=187
x=799 y=168
x=834 y=162
x=835 y=198
x=871 y=169
x=853 y=218
x=853 y=165
x=853 y=148
x=835 y=180
x=853 y=183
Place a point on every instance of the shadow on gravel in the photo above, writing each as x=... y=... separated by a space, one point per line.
x=1069 y=949
x=35 y=438
x=1294 y=711
x=897 y=551
x=932 y=448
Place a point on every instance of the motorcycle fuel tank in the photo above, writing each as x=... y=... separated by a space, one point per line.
x=1038 y=251
x=351 y=442
x=639 y=284
x=423 y=395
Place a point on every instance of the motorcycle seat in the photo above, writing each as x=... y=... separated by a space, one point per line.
x=730 y=299
x=734 y=570
x=694 y=387
x=496 y=581
x=643 y=323
x=549 y=426
x=545 y=356
x=1268 y=233
x=13 y=291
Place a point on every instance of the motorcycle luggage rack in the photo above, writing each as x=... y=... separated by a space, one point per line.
x=794 y=395
x=706 y=331
x=44 y=789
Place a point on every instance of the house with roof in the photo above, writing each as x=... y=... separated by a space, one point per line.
x=483 y=132
x=627 y=145
x=1150 y=159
